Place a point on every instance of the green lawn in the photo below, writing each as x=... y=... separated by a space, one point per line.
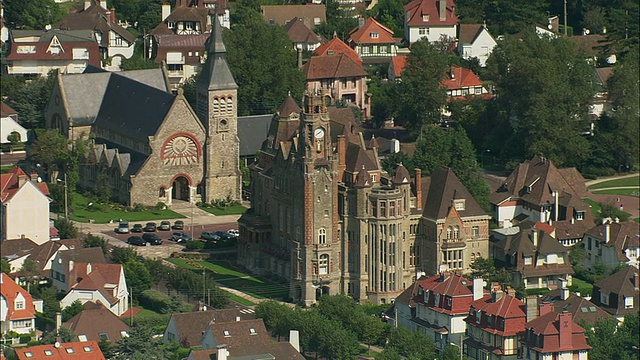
x=627 y=192
x=581 y=286
x=631 y=181
x=5 y=168
x=102 y=214
x=595 y=206
x=229 y=210
x=225 y=275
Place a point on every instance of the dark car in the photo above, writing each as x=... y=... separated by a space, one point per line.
x=150 y=227
x=223 y=235
x=180 y=237
x=152 y=239
x=136 y=228
x=209 y=236
x=164 y=225
x=136 y=240
x=178 y=225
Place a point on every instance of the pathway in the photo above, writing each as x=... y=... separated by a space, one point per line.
x=630 y=204
x=608 y=178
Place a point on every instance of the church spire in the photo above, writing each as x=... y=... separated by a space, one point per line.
x=215 y=73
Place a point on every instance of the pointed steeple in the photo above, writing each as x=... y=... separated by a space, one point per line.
x=215 y=73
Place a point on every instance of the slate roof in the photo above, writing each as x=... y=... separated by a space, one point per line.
x=238 y=334
x=620 y=283
x=281 y=14
x=299 y=33
x=363 y=34
x=417 y=8
x=622 y=235
x=6 y=110
x=336 y=46
x=94 y=320
x=96 y=18
x=467 y=33
x=87 y=255
x=332 y=67
x=10 y=290
x=190 y=326
x=580 y=308
x=215 y=73
x=358 y=159
x=565 y=229
x=444 y=187
x=252 y=130
x=69 y=39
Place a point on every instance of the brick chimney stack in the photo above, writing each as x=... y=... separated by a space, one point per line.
x=566 y=330
x=443 y=10
x=496 y=292
x=22 y=179
x=342 y=155
x=418 y=183
x=532 y=307
x=545 y=308
x=636 y=281
x=34 y=177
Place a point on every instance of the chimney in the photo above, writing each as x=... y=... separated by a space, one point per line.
x=103 y=4
x=532 y=307
x=477 y=289
x=566 y=329
x=221 y=352
x=299 y=57
x=58 y=321
x=534 y=237
x=511 y=291
x=616 y=219
x=545 y=308
x=87 y=4
x=360 y=22
x=294 y=339
x=636 y=281
x=34 y=176
x=22 y=179
x=496 y=292
x=564 y=290
x=418 y=184
x=443 y=10
x=607 y=233
x=166 y=10
x=555 y=206
x=342 y=155
x=452 y=73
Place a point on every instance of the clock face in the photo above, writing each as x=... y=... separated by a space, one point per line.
x=319 y=133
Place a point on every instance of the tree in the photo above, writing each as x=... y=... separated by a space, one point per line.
x=95 y=241
x=543 y=88
x=5 y=267
x=372 y=331
x=72 y=310
x=486 y=269
x=51 y=149
x=107 y=348
x=276 y=317
x=66 y=229
x=122 y=255
x=137 y=276
x=50 y=306
x=30 y=99
x=411 y=344
x=30 y=270
x=604 y=336
x=157 y=269
x=33 y=14
x=137 y=63
x=141 y=344
x=339 y=21
x=263 y=63
x=63 y=335
x=391 y=14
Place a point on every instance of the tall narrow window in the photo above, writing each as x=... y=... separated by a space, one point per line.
x=322 y=236
x=323 y=264
x=229 y=105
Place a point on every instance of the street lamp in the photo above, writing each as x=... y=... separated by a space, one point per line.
x=66 y=201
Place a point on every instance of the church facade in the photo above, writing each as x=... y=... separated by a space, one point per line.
x=327 y=219
x=148 y=145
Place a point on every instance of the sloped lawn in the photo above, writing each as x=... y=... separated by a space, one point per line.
x=103 y=213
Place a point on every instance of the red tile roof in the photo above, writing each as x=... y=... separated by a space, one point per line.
x=337 y=46
x=549 y=327
x=460 y=77
x=399 y=63
x=332 y=67
x=417 y=8
x=454 y=287
x=10 y=184
x=363 y=34
x=40 y=47
x=10 y=291
x=507 y=307
x=85 y=350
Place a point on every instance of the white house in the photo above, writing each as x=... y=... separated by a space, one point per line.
x=25 y=204
x=17 y=307
x=431 y=19
x=475 y=41
x=9 y=126
x=612 y=243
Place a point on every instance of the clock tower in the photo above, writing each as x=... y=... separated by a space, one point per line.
x=217 y=94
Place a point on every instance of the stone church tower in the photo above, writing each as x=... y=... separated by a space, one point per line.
x=217 y=99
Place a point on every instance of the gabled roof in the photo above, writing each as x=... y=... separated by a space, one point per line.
x=95 y=17
x=548 y=325
x=85 y=350
x=95 y=319
x=459 y=77
x=580 y=308
x=190 y=326
x=6 y=110
x=10 y=291
x=567 y=229
x=299 y=33
x=240 y=334
x=506 y=307
x=102 y=278
x=358 y=159
x=443 y=189
x=399 y=63
x=10 y=184
x=182 y=12
x=10 y=249
x=332 y=67
x=372 y=32
x=468 y=33
x=88 y=255
x=622 y=235
x=281 y=14
x=40 y=49
x=336 y=46
x=620 y=283
x=417 y=9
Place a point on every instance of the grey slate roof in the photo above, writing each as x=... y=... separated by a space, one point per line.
x=62 y=35
x=252 y=130
x=444 y=187
x=215 y=73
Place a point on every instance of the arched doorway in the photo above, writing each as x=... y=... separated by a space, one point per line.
x=181 y=188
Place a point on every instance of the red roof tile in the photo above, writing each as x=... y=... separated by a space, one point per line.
x=85 y=350
x=337 y=46
x=507 y=307
x=332 y=67
x=363 y=34
x=399 y=63
x=548 y=326
x=417 y=8
x=460 y=77
x=10 y=291
x=10 y=184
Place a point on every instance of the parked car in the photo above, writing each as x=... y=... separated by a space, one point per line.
x=178 y=225
x=136 y=228
x=165 y=225
x=223 y=235
x=233 y=232
x=123 y=227
x=136 y=240
x=209 y=236
x=180 y=237
x=152 y=239
x=150 y=227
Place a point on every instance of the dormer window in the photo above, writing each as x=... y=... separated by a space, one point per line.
x=459 y=204
x=226 y=333
x=19 y=305
x=374 y=34
x=329 y=52
x=171 y=24
x=252 y=331
x=425 y=17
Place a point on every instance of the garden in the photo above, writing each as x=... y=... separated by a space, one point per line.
x=85 y=210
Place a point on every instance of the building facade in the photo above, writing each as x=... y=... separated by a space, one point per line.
x=17 y=307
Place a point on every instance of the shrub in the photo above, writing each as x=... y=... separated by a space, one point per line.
x=194 y=245
x=163 y=304
x=138 y=207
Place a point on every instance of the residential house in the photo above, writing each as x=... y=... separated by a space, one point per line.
x=570 y=232
x=16 y=251
x=37 y=52
x=618 y=294
x=462 y=83
x=280 y=350
x=336 y=46
x=551 y=30
x=555 y=336
x=441 y=304
x=42 y=255
x=85 y=350
x=17 y=307
x=475 y=41
x=188 y=328
x=495 y=326
x=311 y=15
x=454 y=228
x=612 y=243
x=25 y=206
x=97 y=323
x=373 y=41
x=339 y=77
x=183 y=56
x=597 y=47
x=115 y=42
x=534 y=258
x=98 y=282
x=9 y=127
x=63 y=274
x=434 y=20
x=8 y=111
x=302 y=37
x=583 y=311
x=538 y=191
x=396 y=67
x=235 y=334
x=600 y=103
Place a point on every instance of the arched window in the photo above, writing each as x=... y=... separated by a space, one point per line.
x=216 y=106
x=449 y=233
x=230 y=105
x=323 y=264
x=322 y=236
x=456 y=232
x=162 y=192
x=223 y=106
x=473 y=257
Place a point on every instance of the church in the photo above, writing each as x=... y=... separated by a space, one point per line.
x=148 y=145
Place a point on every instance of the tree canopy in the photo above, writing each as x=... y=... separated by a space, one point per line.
x=32 y=14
